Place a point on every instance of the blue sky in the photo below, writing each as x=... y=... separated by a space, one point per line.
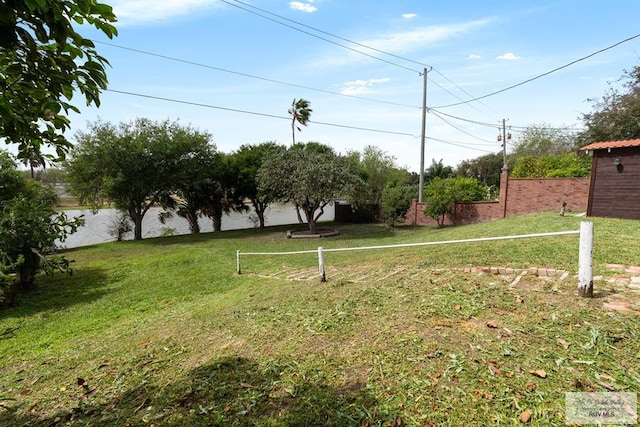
x=226 y=58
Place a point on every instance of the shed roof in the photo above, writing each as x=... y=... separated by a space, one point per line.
x=612 y=144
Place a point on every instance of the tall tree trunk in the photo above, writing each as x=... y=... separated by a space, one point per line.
x=216 y=216
x=300 y=221
x=259 y=207
x=217 y=222
x=192 y=219
x=136 y=217
x=308 y=213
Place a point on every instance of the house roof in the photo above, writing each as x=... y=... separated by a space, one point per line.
x=613 y=144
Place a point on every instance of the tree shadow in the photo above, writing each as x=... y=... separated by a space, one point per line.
x=232 y=390
x=59 y=292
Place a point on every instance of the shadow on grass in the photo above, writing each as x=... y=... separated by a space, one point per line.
x=60 y=291
x=347 y=232
x=229 y=391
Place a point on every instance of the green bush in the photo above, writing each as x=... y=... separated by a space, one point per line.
x=396 y=201
x=566 y=165
x=442 y=194
x=29 y=228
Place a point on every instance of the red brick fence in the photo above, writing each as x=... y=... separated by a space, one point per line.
x=517 y=196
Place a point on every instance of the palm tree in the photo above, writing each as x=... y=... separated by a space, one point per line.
x=32 y=157
x=300 y=113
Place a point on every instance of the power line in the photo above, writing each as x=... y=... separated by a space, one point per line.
x=211 y=67
x=197 y=104
x=328 y=33
x=319 y=37
x=346 y=40
x=463 y=119
x=459 y=144
x=461 y=130
x=543 y=74
x=449 y=80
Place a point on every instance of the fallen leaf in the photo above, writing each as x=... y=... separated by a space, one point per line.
x=525 y=417
x=494 y=370
x=82 y=382
x=531 y=387
x=25 y=391
x=492 y=324
x=564 y=344
x=607 y=377
x=226 y=409
x=609 y=387
x=458 y=307
x=245 y=385
x=483 y=394
x=519 y=300
x=539 y=373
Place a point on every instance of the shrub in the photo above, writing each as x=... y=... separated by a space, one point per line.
x=442 y=194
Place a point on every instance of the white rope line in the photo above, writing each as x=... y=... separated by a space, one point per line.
x=404 y=245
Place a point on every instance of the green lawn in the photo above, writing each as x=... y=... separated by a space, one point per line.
x=164 y=332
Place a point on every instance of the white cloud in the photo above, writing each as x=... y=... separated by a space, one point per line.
x=508 y=57
x=131 y=12
x=409 y=15
x=423 y=36
x=359 y=87
x=304 y=7
x=474 y=56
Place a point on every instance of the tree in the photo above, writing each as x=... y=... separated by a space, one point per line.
x=135 y=165
x=11 y=181
x=43 y=60
x=377 y=170
x=486 y=169
x=221 y=193
x=29 y=228
x=300 y=113
x=246 y=163
x=543 y=140
x=615 y=115
x=563 y=165
x=196 y=185
x=309 y=177
x=441 y=195
x=32 y=157
x=396 y=201
x=438 y=170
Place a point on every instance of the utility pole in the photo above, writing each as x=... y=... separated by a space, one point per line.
x=504 y=137
x=423 y=137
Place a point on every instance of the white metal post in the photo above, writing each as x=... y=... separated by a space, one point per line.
x=323 y=278
x=585 y=260
x=238 y=261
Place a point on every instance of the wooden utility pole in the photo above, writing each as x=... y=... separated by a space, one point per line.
x=423 y=136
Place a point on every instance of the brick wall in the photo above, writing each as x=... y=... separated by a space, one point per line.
x=517 y=196
x=535 y=195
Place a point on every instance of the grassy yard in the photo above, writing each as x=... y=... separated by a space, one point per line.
x=163 y=332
